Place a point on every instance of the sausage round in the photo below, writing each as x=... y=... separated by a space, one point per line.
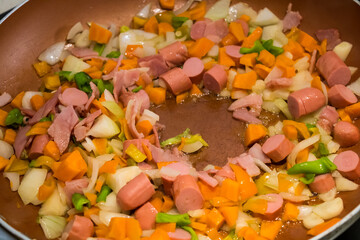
x=215 y=79
x=333 y=69
x=179 y=234
x=305 y=101
x=194 y=69
x=198 y=30
x=176 y=80
x=340 y=96
x=233 y=51
x=277 y=147
x=146 y=216
x=322 y=183
x=174 y=54
x=80 y=228
x=348 y=164
x=135 y=193
x=274 y=206
x=187 y=194
x=346 y=134
x=37 y=146
x=73 y=96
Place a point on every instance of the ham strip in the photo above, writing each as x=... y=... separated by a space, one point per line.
x=124 y=78
x=141 y=97
x=46 y=108
x=160 y=155
x=291 y=19
x=205 y=177
x=247 y=162
x=331 y=35
x=252 y=100
x=246 y=116
x=80 y=130
x=156 y=63
x=21 y=140
x=82 y=52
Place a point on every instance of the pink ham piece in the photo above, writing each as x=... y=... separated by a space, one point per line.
x=94 y=90
x=187 y=194
x=38 y=145
x=253 y=101
x=340 y=96
x=135 y=193
x=145 y=166
x=277 y=147
x=176 y=81
x=173 y=170
x=198 y=30
x=346 y=134
x=215 y=78
x=141 y=97
x=206 y=178
x=247 y=162
x=312 y=61
x=274 y=205
x=256 y=152
x=279 y=83
x=291 y=19
x=348 y=164
x=80 y=130
x=305 y=101
x=137 y=143
x=327 y=118
x=75 y=186
x=216 y=30
x=160 y=155
x=73 y=97
x=5 y=98
x=146 y=215
x=21 y=140
x=62 y=127
x=80 y=228
x=333 y=69
x=124 y=79
x=322 y=183
x=226 y=172
x=331 y=35
x=82 y=52
x=179 y=234
x=244 y=115
x=156 y=63
x=194 y=69
x=174 y=54
x=27 y=112
x=46 y=108
x=131 y=112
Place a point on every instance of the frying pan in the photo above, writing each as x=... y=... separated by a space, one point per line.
x=37 y=24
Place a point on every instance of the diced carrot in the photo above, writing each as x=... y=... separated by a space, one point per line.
x=248 y=233
x=159 y=234
x=129 y=52
x=42 y=68
x=230 y=189
x=291 y=212
x=151 y=25
x=167 y=4
x=9 y=136
x=147 y=152
x=98 y=105
x=253 y=133
x=167 y=227
x=73 y=166
x=165 y=27
x=230 y=214
x=52 y=150
x=109 y=66
x=213 y=234
x=144 y=127
x=229 y=39
x=157 y=203
x=98 y=185
x=225 y=59
x=46 y=189
x=322 y=47
x=209 y=64
x=156 y=95
x=247 y=185
x=301 y=127
x=168 y=204
x=37 y=102
x=129 y=63
x=99 y=34
x=140 y=82
x=245 y=17
x=48 y=95
x=308 y=42
x=353 y=110
x=255 y=205
x=215 y=219
x=195 y=91
x=188 y=43
x=201 y=47
x=17 y=101
x=101 y=230
x=52 y=82
x=96 y=74
x=181 y=97
x=3 y=162
x=91 y=211
x=100 y=145
x=250 y=40
x=290 y=132
x=249 y=59
x=117 y=228
x=245 y=80
x=39 y=128
x=236 y=29
x=295 y=49
x=316 y=83
x=133 y=229
x=208 y=192
x=302 y=156
x=270 y=229
x=323 y=226
x=344 y=116
x=266 y=58
x=92 y=197
x=109 y=167
x=96 y=62
x=201 y=227
x=262 y=70
x=222 y=202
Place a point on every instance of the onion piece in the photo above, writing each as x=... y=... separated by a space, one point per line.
x=121 y=177
x=95 y=165
x=150 y=116
x=192 y=147
x=355 y=87
x=323 y=87
x=301 y=146
x=283 y=106
x=304 y=211
x=77 y=28
x=117 y=146
x=184 y=7
x=293 y=198
x=30 y=184
x=344 y=184
x=52 y=54
x=53 y=226
x=312 y=220
x=262 y=165
x=6 y=150
x=54 y=205
x=145 y=11
x=82 y=39
x=74 y=64
x=27 y=97
x=103 y=127
x=328 y=196
x=219 y=10
x=105 y=216
x=110 y=203
x=329 y=209
x=14 y=179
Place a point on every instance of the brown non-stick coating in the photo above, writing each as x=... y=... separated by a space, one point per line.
x=38 y=24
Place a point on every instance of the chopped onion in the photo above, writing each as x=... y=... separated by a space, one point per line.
x=6 y=150
x=265 y=17
x=105 y=216
x=203 y=237
x=114 y=108
x=74 y=64
x=14 y=179
x=104 y=127
x=312 y=220
x=329 y=195
x=145 y=11
x=324 y=90
x=329 y=209
x=355 y=87
x=52 y=54
x=117 y=146
x=301 y=80
x=283 y=106
x=192 y=147
x=242 y=221
x=219 y=10
x=77 y=28
x=302 y=64
x=262 y=165
x=54 y=205
x=27 y=97
x=259 y=86
x=30 y=184
x=108 y=96
x=274 y=74
x=88 y=145
x=147 y=233
x=150 y=116
x=121 y=177
x=304 y=211
x=353 y=69
x=95 y=165
x=301 y=146
x=343 y=184
x=239 y=9
x=169 y=172
x=184 y=7
x=82 y=39
x=214 y=51
x=53 y=226
x=343 y=49
x=110 y=204
x=197 y=213
x=332 y=146
x=96 y=219
x=270 y=107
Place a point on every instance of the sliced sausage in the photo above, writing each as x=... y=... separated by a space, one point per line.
x=179 y=234
x=322 y=183
x=348 y=164
x=245 y=26
x=305 y=101
x=176 y=80
x=277 y=147
x=333 y=69
x=146 y=215
x=340 y=96
x=346 y=134
x=327 y=118
x=197 y=30
x=135 y=193
x=194 y=69
x=80 y=228
x=75 y=186
x=174 y=54
x=274 y=205
x=233 y=51
x=38 y=145
x=74 y=97
x=215 y=79
x=187 y=194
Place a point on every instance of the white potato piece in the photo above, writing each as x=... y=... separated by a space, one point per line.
x=343 y=49
x=30 y=184
x=344 y=184
x=54 y=205
x=312 y=220
x=329 y=209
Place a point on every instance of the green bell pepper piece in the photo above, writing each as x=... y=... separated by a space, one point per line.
x=113 y=54
x=14 y=118
x=104 y=192
x=79 y=201
x=83 y=80
x=320 y=166
x=177 y=139
x=99 y=48
x=191 y=231
x=179 y=219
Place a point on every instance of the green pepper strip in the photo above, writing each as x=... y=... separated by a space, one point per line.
x=49 y=118
x=135 y=90
x=179 y=219
x=195 y=138
x=268 y=45
x=177 y=139
x=258 y=47
x=101 y=85
x=178 y=21
x=320 y=166
x=113 y=54
x=99 y=48
x=66 y=76
x=104 y=192
x=309 y=178
x=191 y=231
x=310 y=126
x=14 y=118
x=79 y=201
x=322 y=150
x=83 y=81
